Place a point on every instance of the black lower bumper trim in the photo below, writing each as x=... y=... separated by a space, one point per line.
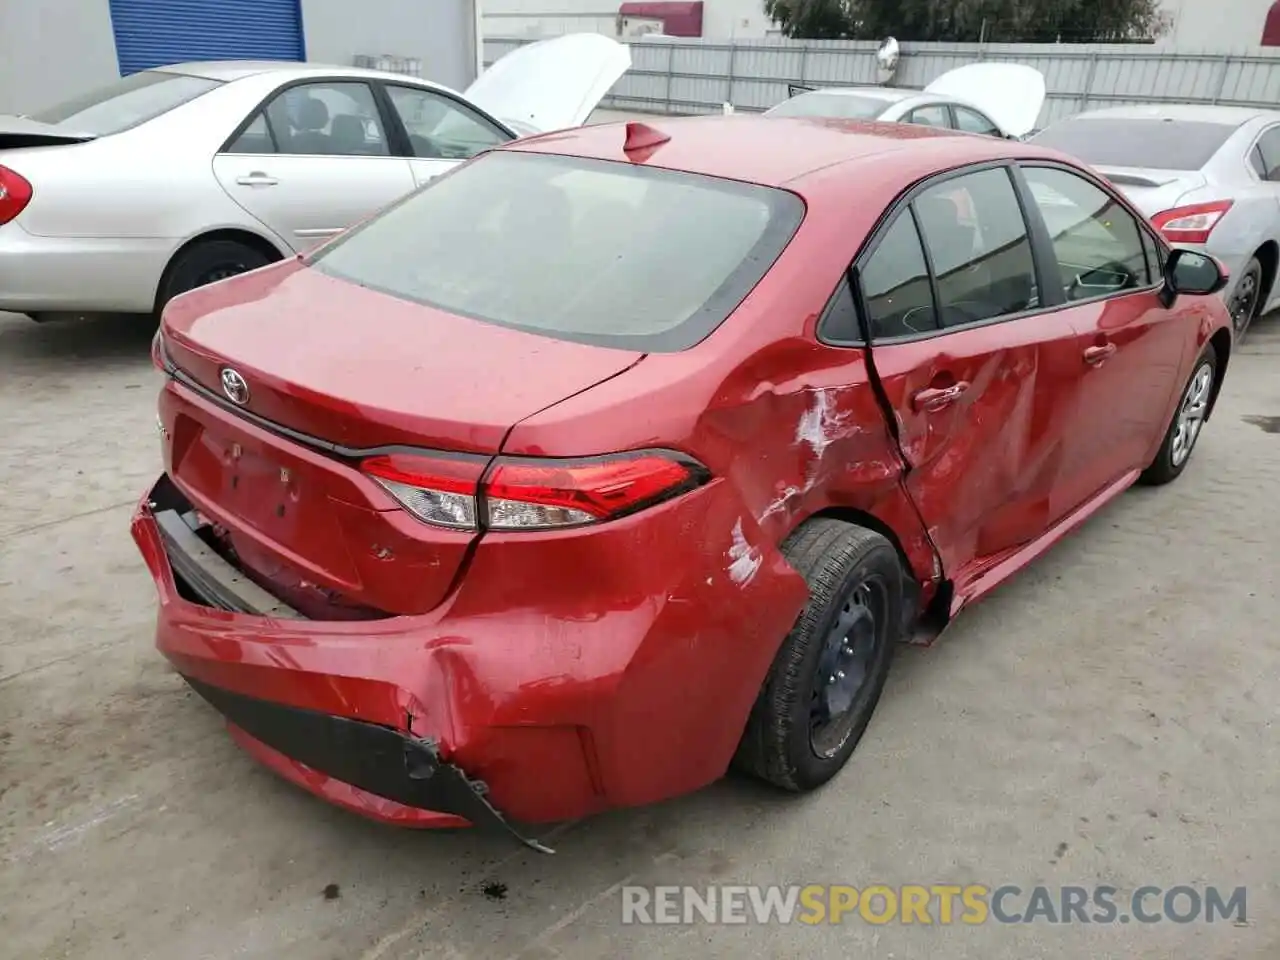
x=374 y=758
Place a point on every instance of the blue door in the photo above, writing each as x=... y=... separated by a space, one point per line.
x=153 y=33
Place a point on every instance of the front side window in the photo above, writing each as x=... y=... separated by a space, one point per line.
x=327 y=119
x=895 y=283
x=970 y=121
x=440 y=127
x=1096 y=243
x=126 y=103
x=978 y=244
x=586 y=250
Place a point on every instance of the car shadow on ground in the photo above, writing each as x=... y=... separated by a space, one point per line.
x=117 y=341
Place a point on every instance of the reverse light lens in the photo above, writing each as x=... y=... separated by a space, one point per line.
x=1190 y=224
x=15 y=194
x=436 y=490
x=521 y=494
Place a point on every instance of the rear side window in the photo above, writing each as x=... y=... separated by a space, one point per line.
x=977 y=241
x=895 y=283
x=1154 y=144
x=126 y=103
x=585 y=250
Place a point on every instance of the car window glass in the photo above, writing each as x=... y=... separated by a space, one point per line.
x=618 y=254
x=934 y=116
x=1152 y=254
x=840 y=319
x=441 y=127
x=971 y=121
x=256 y=138
x=1096 y=243
x=126 y=103
x=839 y=106
x=895 y=283
x=1269 y=148
x=1156 y=143
x=977 y=241
x=1259 y=165
x=326 y=119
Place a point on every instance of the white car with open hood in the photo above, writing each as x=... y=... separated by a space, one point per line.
x=997 y=99
x=182 y=175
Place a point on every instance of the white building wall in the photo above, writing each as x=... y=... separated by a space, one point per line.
x=1215 y=24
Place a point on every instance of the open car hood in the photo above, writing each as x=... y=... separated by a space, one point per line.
x=24 y=132
x=1011 y=94
x=552 y=84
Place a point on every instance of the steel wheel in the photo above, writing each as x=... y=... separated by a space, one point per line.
x=1243 y=303
x=1191 y=414
x=845 y=665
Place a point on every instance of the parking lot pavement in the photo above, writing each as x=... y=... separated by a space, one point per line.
x=1109 y=717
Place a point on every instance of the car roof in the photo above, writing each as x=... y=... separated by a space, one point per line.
x=1187 y=112
x=230 y=70
x=887 y=94
x=783 y=151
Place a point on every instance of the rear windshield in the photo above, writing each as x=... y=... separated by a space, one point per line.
x=837 y=106
x=586 y=250
x=126 y=103
x=1155 y=144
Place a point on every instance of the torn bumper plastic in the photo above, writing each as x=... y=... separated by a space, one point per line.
x=381 y=761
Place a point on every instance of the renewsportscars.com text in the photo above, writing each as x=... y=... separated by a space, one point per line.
x=940 y=904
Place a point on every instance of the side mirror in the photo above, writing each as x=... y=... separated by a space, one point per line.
x=1189 y=272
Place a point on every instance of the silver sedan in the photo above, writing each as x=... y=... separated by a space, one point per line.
x=180 y=176
x=995 y=99
x=1207 y=176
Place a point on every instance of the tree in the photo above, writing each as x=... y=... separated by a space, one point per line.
x=999 y=21
x=813 y=19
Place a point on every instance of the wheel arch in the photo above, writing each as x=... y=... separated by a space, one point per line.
x=1269 y=257
x=1221 y=344
x=249 y=238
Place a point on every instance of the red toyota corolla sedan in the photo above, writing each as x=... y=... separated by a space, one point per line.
x=618 y=455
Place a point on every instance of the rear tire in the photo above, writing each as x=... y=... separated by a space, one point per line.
x=207 y=262
x=1188 y=420
x=1246 y=298
x=810 y=714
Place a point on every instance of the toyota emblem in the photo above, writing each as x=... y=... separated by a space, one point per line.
x=235 y=387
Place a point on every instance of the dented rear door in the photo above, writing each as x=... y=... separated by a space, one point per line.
x=982 y=391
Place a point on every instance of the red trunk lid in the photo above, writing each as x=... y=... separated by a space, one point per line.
x=356 y=369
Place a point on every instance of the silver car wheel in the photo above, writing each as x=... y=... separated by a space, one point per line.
x=1191 y=414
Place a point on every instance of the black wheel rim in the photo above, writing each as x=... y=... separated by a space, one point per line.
x=1244 y=300
x=221 y=272
x=842 y=681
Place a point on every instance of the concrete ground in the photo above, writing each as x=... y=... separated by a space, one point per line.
x=1109 y=717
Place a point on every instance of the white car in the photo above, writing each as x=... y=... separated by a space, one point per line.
x=996 y=99
x=180 y=176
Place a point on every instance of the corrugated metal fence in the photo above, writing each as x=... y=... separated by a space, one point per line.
x=689 y=76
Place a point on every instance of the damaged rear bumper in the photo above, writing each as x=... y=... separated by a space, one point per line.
x=525 y=697
x=378 y=760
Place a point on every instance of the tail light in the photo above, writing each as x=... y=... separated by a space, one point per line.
x=15 y=194
x=1191 y=224
x=531 y=494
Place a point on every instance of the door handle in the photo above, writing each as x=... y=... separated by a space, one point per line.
x=932 y=399
x=257 y=179
x=1099 y=354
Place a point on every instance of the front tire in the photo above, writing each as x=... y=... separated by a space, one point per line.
x=828 y=674
x=1188 y=419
